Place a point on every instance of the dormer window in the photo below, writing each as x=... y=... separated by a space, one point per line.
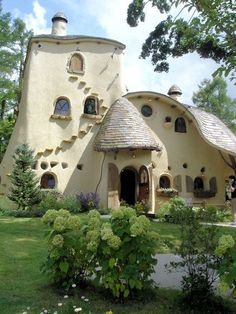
x=180 y=125
x=91 y=106
x=76 y=63
x=62 y=107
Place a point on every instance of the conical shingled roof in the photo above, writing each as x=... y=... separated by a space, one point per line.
x=124 y=128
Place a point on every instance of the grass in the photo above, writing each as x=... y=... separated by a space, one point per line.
x=23 y=248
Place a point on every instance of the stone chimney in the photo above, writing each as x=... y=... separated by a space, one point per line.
x=175 y=92
x=59 y=24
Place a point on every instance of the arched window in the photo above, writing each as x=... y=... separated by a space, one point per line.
x=164 y=182
x=198 y=184
x=62 y=107
x=76 y=64
x=47 y=181
x=180 y=125
x=91 y=105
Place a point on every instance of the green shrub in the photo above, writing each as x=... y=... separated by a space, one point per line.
x=142 y=208
x=200 y=263
x=104 y=210
x=214 y=214
x=53 y=199
x=70 y=203
x=171 y=211
x=226 y=250
x=7 y=212
x=68 y=261
x=119 y=253
x=126 y=253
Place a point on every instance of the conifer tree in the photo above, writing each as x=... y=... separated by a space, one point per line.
x=24 y=191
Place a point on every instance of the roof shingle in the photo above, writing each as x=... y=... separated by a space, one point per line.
x=124 y=128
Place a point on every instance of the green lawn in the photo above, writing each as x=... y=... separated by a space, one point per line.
x=23 y=248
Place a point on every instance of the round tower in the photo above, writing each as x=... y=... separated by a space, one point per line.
x=59 y=24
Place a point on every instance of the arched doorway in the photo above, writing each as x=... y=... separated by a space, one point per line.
x=128 y=183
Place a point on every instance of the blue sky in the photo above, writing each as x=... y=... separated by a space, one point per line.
x=107 y=18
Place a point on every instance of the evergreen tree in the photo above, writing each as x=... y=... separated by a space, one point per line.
x=24 y=190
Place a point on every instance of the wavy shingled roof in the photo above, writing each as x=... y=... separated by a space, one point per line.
x=214 y=130
x=124 y=128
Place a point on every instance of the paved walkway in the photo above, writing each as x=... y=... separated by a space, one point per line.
x=162 y=276
x=167 y=279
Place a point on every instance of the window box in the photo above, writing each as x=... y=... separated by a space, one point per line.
x=168 y=192
x=204 y=194
x=60 y=117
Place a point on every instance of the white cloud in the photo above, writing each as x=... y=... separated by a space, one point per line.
x=36 y=20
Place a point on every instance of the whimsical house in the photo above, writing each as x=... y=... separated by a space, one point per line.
x=89 y=136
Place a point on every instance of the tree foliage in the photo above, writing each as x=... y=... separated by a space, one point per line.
x=212 y=97
x=24 y=190
x=209 y=30
x=6 y=127
x=13 y=42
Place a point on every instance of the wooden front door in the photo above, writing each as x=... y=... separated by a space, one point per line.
x=143 y=184
x=113 y=186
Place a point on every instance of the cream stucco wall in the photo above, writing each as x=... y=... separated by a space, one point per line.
x=181 y=148
x=65 y=142
x=64 y=147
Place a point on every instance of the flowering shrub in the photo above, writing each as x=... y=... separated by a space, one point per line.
x=88 y=201
x=126 y=253
x=119 y=253
x=68 y=260
x=226 y=250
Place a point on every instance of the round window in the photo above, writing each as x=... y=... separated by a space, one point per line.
x=146 y=111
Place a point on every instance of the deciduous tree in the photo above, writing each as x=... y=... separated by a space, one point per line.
x=13 y=42
x=208 y=30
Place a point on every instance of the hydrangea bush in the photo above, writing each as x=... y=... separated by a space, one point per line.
x=119 y=254
x=67 y=261
x=126 y=253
